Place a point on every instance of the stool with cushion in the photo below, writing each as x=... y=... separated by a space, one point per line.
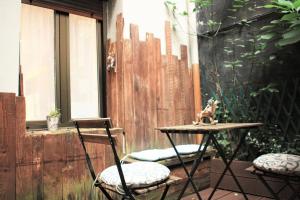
x=278 y=165
x=128 y=180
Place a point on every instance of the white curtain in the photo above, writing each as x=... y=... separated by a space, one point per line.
x=37 y=60
x=83 y=67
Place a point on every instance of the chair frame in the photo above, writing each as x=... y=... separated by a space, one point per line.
x=287 y=180
x=107 y=124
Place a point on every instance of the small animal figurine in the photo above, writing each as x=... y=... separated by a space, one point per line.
x=208 y=112
x=111 y=62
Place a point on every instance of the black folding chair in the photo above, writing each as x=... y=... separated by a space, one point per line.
x=98 y=138
x=288 y=180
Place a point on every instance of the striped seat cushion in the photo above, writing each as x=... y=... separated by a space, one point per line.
x=137 y=174
x=279 y=163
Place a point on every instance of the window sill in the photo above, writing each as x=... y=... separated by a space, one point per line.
x=60 y=131
x=68 y=130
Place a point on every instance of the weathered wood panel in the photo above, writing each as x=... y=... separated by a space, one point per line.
x=157 y=90
x=7 y=146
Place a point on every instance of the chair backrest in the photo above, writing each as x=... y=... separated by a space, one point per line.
x=106 y=124
x=93 y=123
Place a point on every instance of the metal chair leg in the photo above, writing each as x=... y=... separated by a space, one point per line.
x=165 y=192
x=268 y=187
x=104 y=192
x=295 y=193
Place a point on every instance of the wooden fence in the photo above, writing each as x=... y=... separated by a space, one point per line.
x=149 y=89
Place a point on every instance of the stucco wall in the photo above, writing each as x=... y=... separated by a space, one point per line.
x=150 y=16
x=9 y=44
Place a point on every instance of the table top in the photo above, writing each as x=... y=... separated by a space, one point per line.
x=207 y=127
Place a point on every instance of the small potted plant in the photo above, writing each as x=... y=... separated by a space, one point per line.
x=53 y=120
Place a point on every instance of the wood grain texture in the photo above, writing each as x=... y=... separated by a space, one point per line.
x=208 y=127
x=7 y=146
x=45 y=165
x=147 y=90
x=157 y=90
x=197 y=92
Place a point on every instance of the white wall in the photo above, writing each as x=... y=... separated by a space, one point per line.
x=9 y=44
x=150 y=16
x=114 y=7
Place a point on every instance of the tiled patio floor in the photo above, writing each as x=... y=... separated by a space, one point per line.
x=223 y=195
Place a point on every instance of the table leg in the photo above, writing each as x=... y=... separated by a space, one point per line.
x=196 y=163
x=184 y=167
x=227 y=164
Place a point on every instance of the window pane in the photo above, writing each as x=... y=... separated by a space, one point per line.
x=37 y=60
x=83 y=67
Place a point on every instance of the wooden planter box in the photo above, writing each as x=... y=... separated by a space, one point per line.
x=250 y=183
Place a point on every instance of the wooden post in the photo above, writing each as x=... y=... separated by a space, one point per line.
x=197 y=93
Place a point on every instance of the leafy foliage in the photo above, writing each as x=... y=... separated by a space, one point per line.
x=200 y=4
x=269 y=88
x=54 y=113
x=289 y=22
x=237 y=97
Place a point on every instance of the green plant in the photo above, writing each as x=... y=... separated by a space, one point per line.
x=55 y=113
x=200 y=4
x=287 y=28
x=239 y=100
x=269 y=88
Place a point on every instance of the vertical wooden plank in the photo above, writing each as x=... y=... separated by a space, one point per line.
x=24 y=182
x=23 y=154
x=52 y=180
x=69 y=180
x=192 y=99
x=159 y=85
x=112 y=91
x=176 y=110
x=187 y=90
x=23 y=141
x=136 y=139
x=193 y=138
x=197 y=88
x=170 y=75
x=142 y=100
x=197 y=93
x=119 y=73
x=151 y=78
x=178 y=96
x=54 y=159
x=7 y=146
x=185 y=79
x=129 y=124
x=163 y=117
x=37 y=166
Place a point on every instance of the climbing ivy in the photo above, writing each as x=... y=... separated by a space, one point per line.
x=237 y=101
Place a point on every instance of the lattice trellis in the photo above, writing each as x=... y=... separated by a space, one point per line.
x=282 y=109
